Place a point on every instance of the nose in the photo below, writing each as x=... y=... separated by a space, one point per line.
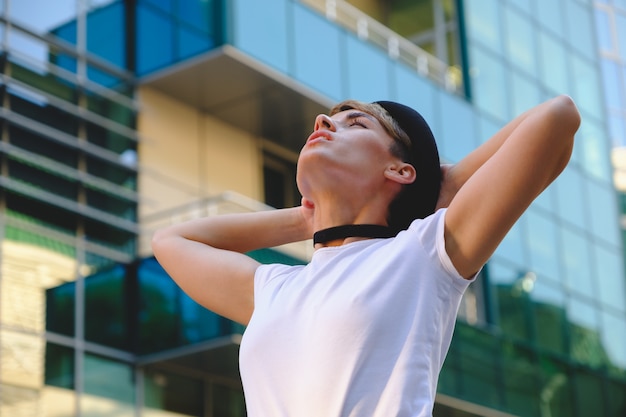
x=322 y=121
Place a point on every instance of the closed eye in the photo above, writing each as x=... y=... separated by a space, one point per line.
x=357 y=122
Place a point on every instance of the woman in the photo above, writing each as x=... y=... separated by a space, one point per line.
x=363 y=329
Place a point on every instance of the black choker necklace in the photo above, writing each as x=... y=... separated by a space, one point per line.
x=352 y=230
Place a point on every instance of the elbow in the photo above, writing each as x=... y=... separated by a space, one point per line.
x=159 y=240
x=568 y=115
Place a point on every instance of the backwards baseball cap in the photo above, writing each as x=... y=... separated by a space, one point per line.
x=418 y=199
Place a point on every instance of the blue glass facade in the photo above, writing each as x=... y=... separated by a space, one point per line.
x=548 y=334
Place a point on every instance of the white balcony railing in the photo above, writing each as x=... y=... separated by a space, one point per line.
x=397 y=47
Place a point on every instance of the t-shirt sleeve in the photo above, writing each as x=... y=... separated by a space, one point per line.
x=431 y=233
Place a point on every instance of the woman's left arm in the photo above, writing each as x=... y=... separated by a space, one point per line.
x=488 y=190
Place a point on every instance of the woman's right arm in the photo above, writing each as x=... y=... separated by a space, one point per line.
x=206 y=257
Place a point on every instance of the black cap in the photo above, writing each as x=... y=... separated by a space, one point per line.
x=418 y=199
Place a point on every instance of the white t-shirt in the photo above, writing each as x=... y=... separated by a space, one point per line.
x=361 y=331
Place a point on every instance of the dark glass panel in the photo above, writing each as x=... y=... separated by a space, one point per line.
x=40 y=145
x=520 y=379
x=47 y=82
x=111 y=204
x=617 y=398
x=60 y=309
x=53 y=217
x=43 y=180
x=158 y=306
x=105 y=308
x=59 y=371
x=513 y=309
x=107 y=139
x=588 y=392
x=109 y=236
x=478 y=364
x=112 y=110
x=550 y=325
x=168 y=317
x=228 y=402
x=116 y=174
x=174 y=393
x=556 y=397
x=104 y=78
x=42 y=113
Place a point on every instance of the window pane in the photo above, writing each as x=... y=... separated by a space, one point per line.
x=520 y=41
x=510 y=295
x=556 y=391
x=483 y=22
x=489 y=83
x=549 y=316
x=155 y=35
x=587 y=88
x=174 y=393
x=48 y=15
x=541 y=240
x=553 y=63
x=603 y=29
x=586 y=347
x=575 y=253
x=108 y=387
x=550 y=14
x=570 y=197
x=588 y=390
x=610 y=277
x=603 y=212
x=593 y=146
x=580 y=28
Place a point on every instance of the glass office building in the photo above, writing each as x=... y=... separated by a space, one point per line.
x=118 y=117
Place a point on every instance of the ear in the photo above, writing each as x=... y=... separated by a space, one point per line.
x=401 y=172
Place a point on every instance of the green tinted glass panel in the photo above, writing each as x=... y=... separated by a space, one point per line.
x=59 y=366
x=174 y=393
x=109 y=379
x=106 y=308
x=60 y=307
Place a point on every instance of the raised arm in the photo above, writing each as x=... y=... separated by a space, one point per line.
x=206 y=256
x=488 y=190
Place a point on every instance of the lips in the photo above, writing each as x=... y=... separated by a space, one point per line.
x=319 y=136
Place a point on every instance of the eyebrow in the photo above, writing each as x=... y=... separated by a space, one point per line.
x=356 y=114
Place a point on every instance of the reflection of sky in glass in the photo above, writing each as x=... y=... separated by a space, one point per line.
x=614 y=338
x=582 y=313
x=48 y=14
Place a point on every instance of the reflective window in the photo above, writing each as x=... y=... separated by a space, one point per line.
x=154 y=34
x=570 y=196
x=108 y=387
x=554 y=68
x=106 y=307
x=617 y=128
x=525 y=5
x=252 y=34
x=60 y=307
x=614 y=338
x=620 y=25
x=510 y=292
x=483 y=22
x=593 y=148
x=613 y=95
x=191 y=42
x=610 y=277
x=512 y=246
x=231 y=403
x=48 y=16
x=541 y=237
x=588 y=391
x=587 y=88
x=603 y=30
x=581 y=29
x=174 y=393
x=586 y=346
x=59 y=366
x=326 y=76
x=575 y=253
x=556 y=397
x=520 y=41
x=520 y=387
x=525 y=93
x=550 y=14
x=458 y=128
x=489 y=84
x=358 y=78
x=603 y=212
x=421 y=95
x=548 y=309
